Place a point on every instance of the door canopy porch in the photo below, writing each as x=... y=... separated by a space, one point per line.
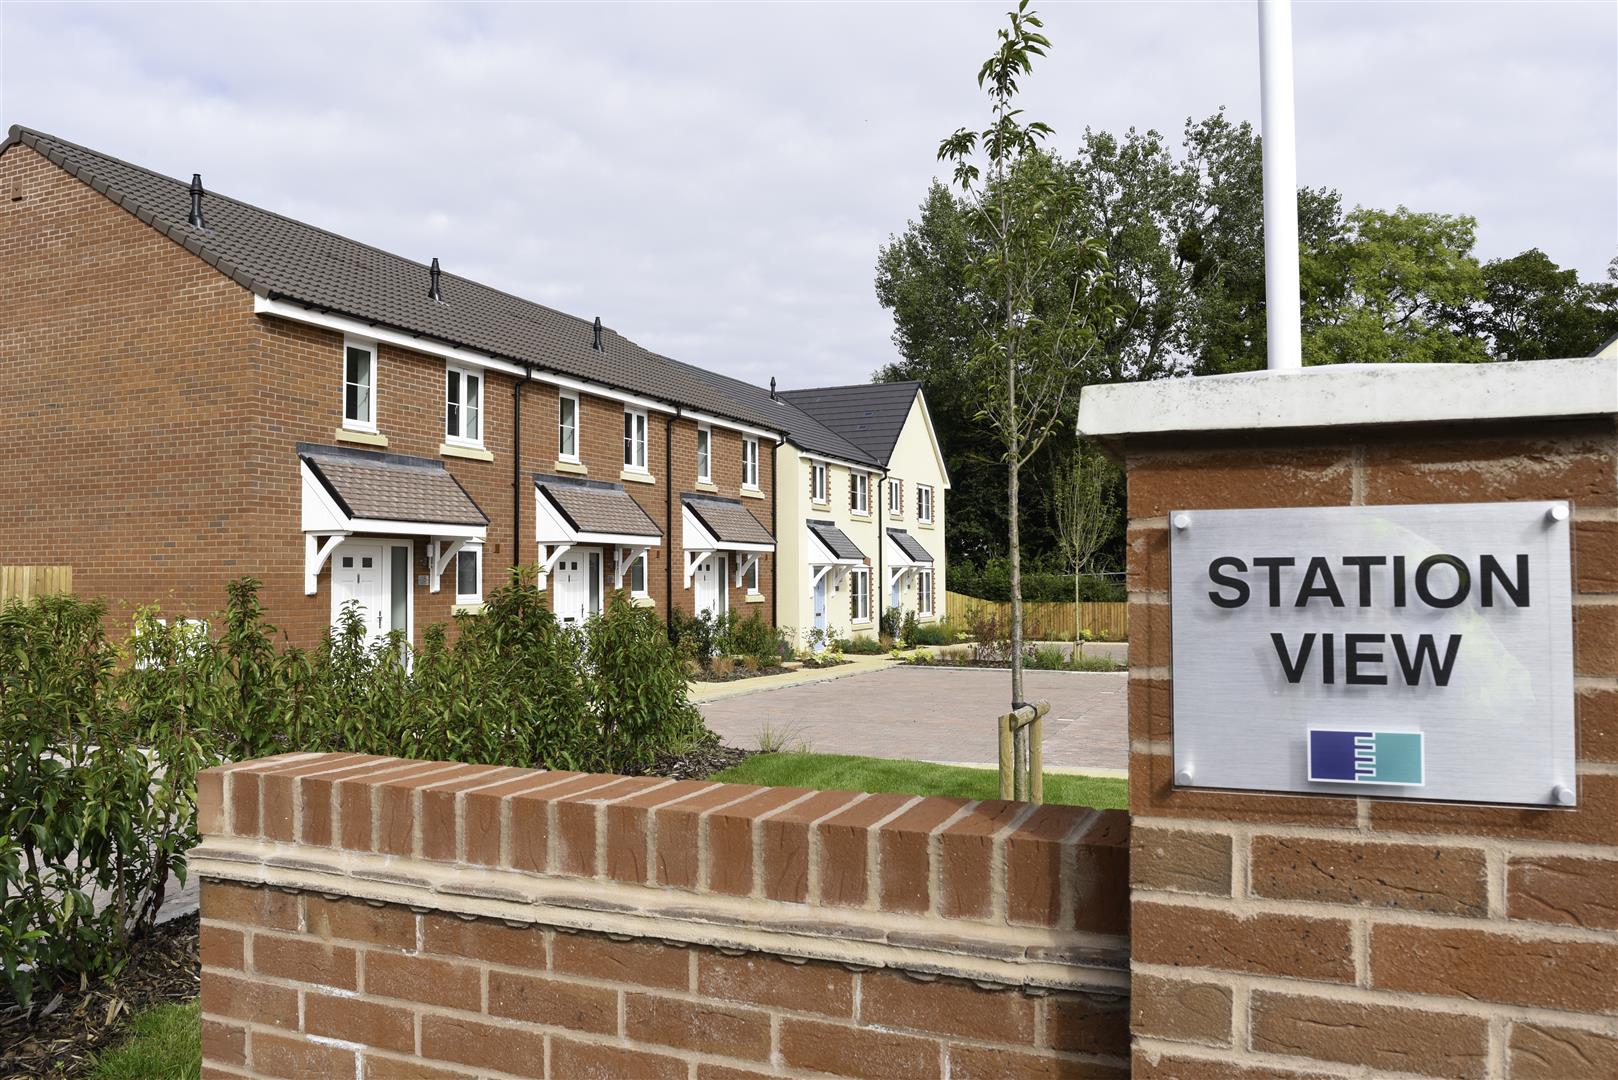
x=831 y=551
x=713 y=524
x=904 y=555
x=349 y=492
x=569 y=512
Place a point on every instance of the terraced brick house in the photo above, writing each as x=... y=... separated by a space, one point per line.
x=200 y=389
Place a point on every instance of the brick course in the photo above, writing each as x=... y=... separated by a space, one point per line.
x=1300 y=936
x=412 y=980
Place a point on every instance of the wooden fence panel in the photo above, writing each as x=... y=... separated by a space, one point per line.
x=26 y=582
x=1048 y=620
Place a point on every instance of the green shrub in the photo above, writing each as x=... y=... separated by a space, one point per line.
x=907 y=629
x=863 y=645
x=939 y=633
x=99 y=749
x=1093 y=662
x=890 y=623
x=1045 y=658
x=756 y=638
x=991 y=580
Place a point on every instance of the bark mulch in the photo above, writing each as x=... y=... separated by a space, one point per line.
x=700 y=762
x=62 y=1035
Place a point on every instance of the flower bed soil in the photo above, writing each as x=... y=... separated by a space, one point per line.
x=63 y=1033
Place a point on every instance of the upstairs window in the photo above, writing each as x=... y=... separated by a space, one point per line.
x=359 y=386
x=896 y=498
x=704 y=455
x=750 y=464
x=463 y=407
x=634 y=440
x=819 y=483
x=567 y=440
x=924 y=504
x=859 y=492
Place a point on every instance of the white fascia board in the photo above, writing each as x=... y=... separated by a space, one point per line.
x=619 y=540
x=763 y=549
x=320 y=513
x=731 y=425
x=472 y=357
x=827 y=459
x=1353 y=395
x=932 y=437
x=475 y=358
x=697 y=537
x=420 y=528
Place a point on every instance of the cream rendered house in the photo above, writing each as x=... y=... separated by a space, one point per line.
x=863 y=528
x=859 y=503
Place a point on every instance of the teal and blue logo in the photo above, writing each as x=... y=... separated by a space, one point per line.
x=1366 y=757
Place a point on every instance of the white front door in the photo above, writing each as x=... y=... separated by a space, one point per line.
x=709 y=581
x=357 y=576
x=576 y=586
x=820 y=600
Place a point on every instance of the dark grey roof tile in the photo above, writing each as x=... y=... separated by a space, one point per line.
x=910 y=546
x=869 y=415
x=836 y=540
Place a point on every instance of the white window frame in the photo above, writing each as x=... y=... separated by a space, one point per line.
x=856 y=576
x=924 y=592
x=476 y=551
x=750 y=578
x=860 y=485
x=366 y=423
x=561 y=426
x=704 y=454
x=464 y=373
x=636 y=440
x=924 y=504
x=819 y=483
x=896 y=498
x=750 y=464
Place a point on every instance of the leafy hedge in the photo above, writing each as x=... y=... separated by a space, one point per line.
x=100 y=743
x=992 y=581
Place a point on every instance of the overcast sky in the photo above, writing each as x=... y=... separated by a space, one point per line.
x=715 y=180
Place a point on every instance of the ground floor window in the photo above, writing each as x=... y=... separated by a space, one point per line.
x=750 y=578
x=469 y=575
x=859 y=594
x=637 y=575
x=924 y=592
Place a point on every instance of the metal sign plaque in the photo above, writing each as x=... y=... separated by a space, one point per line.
x=1415 y=652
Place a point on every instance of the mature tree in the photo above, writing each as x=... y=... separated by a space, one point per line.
x=1042 y=276
x=1532 y=309
x=1393 y=289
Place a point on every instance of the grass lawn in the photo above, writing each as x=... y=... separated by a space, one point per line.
x=838 y=772
x=163 y=1042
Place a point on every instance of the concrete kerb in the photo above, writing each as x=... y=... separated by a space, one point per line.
x=856 y=665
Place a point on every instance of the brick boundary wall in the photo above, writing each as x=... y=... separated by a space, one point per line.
x=1277 y=936
x=375 y=917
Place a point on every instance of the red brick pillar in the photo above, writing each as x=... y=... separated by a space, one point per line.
x=1297 y=935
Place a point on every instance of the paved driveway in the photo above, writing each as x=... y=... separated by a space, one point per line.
x=935 y=714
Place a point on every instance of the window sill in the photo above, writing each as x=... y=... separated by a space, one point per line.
x=863 y=515
x=926 y=524
x=472 y=453
x=364 y=438
x=821 y=502
x=706 y=485
x=755 y=598
x=859 y=622
x=752 y=493
x=467 y=609
x=642 y=601
x=570 y=467
x=637 y=477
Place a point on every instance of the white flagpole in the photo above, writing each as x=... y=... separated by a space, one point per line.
x=1282 y=306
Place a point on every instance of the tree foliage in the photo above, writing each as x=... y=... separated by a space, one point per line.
x=1180 y=227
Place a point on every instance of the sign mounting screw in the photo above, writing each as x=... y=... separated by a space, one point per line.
x=1182 y=521
x=1557 y=512
x=1184 y=776
x=1564 y=795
